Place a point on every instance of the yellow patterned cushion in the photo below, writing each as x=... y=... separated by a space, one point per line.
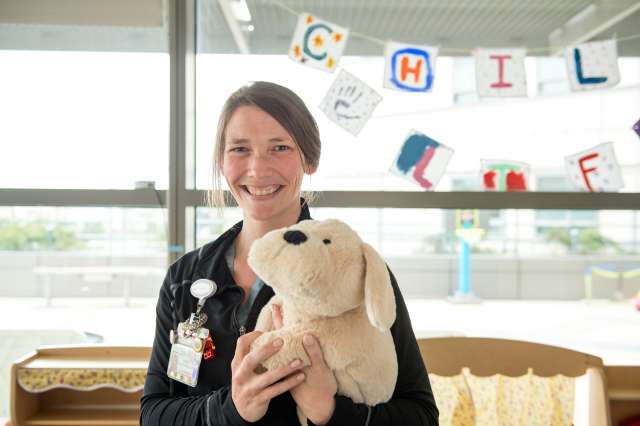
x=453 y=399
x=502 y=400
x=40 y=380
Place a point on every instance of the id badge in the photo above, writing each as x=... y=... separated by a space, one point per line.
x=186 y=355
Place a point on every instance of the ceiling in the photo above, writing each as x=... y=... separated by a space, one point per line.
x=452 y=24
x=457 y=26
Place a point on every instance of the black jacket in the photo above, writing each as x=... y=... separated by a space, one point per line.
x=168 y=402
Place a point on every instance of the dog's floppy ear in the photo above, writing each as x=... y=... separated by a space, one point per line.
x=379 y=299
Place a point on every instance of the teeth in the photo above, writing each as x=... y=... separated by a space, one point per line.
x=262 y=191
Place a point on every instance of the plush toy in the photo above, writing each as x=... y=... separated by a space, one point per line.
x=328 y=282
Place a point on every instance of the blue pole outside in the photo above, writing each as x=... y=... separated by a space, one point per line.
x=464 y=265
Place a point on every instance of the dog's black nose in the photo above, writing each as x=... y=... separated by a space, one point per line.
x=295 y=237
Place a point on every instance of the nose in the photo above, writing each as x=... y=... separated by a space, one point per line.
x=259 y=166
x=295 y=237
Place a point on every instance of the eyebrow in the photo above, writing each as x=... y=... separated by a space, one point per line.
x=237 y=141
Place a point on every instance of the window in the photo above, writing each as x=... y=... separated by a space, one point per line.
x=85 y=96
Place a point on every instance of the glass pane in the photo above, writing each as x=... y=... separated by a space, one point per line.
x=415 y=233
x=525 y=262
x=78 y=275
x=541 y=129
x=85 y=95
x=62 y=253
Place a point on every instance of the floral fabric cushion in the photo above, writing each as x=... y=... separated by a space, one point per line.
x=466 y=400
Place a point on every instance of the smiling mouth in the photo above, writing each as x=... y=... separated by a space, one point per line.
x=262 y=192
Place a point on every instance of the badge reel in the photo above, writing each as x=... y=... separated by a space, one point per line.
x=190 y=339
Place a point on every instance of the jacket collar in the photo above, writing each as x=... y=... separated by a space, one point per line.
x=212 y=263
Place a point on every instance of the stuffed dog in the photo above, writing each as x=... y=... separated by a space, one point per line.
x=330 y=283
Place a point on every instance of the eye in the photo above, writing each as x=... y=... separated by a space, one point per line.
x=239 y=149
x=326 y=241
x=281 y=148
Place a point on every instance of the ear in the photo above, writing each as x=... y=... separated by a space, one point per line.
x=310 y=169
x=379 y=299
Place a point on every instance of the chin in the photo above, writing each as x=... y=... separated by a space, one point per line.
x=261 y=213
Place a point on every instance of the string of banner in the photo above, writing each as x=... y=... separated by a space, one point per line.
x=500 y=72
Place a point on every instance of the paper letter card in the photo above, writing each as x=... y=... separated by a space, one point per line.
x=409 y=68
x=421 y=160
x=595 y=170
x=317 y=43
x=500 y=72
x=505 y=175
x=350 y=102
x=593 y=65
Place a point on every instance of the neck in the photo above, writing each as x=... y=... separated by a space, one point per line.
x=253 y=229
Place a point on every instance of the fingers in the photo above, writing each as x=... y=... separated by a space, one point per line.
x=255 y=358
x=252 y=391
x=313 y=349
x=243 y=346
x=281 y=387
x=276 y=314
x=272 y=376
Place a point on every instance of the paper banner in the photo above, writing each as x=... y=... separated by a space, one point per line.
x=421 y=160
x=593 y=65
x=350 y=102
x=636 y=127
x=500 y=72
x=505 y=175
x=317 y=43
x=409 y=68
x=595 y=170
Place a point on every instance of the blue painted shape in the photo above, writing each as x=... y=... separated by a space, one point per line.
x=305 y=44
x=427 y=61
x=412 y=150
x=581 y=78
x=464 y=265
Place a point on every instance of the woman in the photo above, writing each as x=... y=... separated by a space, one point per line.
x=266 y=141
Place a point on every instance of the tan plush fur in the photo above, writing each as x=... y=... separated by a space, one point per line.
x=342 y=294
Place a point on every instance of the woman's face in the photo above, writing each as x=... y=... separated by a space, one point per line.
x=262 y=164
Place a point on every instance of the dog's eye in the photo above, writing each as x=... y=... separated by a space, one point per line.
x=326 y=241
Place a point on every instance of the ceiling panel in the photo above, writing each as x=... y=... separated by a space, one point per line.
x=456 y=24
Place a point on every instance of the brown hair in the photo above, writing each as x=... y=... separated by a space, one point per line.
x=286 y=108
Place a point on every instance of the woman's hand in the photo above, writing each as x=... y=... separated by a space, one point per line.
x=315 y=395
x=251 y=391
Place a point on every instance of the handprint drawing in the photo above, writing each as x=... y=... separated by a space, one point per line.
x=347 y=97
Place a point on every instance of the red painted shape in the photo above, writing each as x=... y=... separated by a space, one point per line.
x=489 y=179
x=500 y=84
x=584 y=171
x=516 y=181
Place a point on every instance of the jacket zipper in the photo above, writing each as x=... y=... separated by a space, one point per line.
x=241 y=328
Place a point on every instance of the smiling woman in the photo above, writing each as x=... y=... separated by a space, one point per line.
x=266 y=141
